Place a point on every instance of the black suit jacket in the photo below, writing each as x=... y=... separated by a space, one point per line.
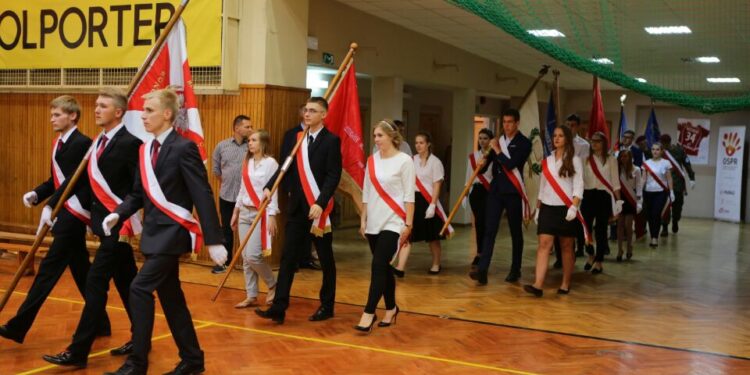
x=68 y=158
x=118 y=164
x=184 y=181
x=325 y=162
x=290 y=139
x=519 y=149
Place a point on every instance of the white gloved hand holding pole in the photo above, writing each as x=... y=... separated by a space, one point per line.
x=109 y=222
x=692 y=184
x=430 y=213
x=29 y=199
x=45 y=218
x=536 y=217
x=671 y=195
x=572 y=211
x=218 y=254
x=618 y=207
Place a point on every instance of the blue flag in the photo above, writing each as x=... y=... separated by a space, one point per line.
x=623 y=127
x=652 y=129
x=549 y=130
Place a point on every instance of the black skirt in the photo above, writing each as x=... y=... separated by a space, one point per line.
x=627 y=208
x=426 y=230
x=552 y=221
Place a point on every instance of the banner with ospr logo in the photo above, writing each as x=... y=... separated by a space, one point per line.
x=729 y=159
x=101 y=33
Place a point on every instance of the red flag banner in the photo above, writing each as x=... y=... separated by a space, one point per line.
x=169 y=68
x=344 y=120
x=597 y=121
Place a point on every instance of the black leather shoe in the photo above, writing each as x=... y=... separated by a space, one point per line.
x=127 y=369
x=321 y=314
x=367 y=329
x=431 y=272
x=563 y=291
x=311 y=265
x=481 y=277
x=184 y=368
x=6 y=333
x=66 y=358
x=474 y=274
x=532 y=290
x=513 y=277
x=273 y=315
x=675 y=227
x=399 y=273
x=125 y=349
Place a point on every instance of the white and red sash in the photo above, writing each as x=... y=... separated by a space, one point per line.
x=552 y=181
x=516 y=179
x=394 y=201
x=426 y=191
x=604 y=181
x=73 y=205
x=480 y=177
x=101 y=189
x=664 y=186
x=322 y=224
x=153 y=190
x=627 y=192
x=265 y=237
x=675 y=165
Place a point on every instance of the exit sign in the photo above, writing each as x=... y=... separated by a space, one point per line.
x=327 y=58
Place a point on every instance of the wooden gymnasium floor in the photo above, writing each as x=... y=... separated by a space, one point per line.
x=681 y=309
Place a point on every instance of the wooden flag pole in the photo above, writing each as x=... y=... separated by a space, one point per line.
x=467 y=187
x=261 y=210
x=42 y=232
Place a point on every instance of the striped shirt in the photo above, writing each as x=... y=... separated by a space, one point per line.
x=227 y=164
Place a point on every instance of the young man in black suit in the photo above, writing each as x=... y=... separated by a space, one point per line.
x=69 y=245
x=306 y=213
x=170 y=181
x=111 y=173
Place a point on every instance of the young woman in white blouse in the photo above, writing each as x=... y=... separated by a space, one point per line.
x=479 y=188
x=657 y=192
x=631 y=190
x=560 y=194
x=601 y=198
x=387 y=217
x=427 y=221
x=257 y=170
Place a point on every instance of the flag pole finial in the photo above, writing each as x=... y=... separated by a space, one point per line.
x=354 y=45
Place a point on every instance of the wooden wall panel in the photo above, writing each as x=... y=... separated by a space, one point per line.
x=26 y=139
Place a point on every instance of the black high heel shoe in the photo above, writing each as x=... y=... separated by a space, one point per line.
x=367 y=329
x=400 y=274
x=392 y=322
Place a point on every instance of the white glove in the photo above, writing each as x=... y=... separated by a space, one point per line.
x=45 y=218
x=671 y=195
x=109 y=222
x=29 y=199
x=218 y=254
x=536 y=217
x=572 y=211
x=692 y=184
x=618 y=207
x=639 y=205
x=430 y=213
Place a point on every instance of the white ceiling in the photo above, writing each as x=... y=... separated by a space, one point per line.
x=641 y=55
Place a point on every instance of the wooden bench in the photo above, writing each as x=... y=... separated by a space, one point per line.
x=22 y=250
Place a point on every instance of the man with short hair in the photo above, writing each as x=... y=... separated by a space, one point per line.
x=227 y=165
x=69 y=227
x=642 y=144
x=626 y=143
x=682 y=170
x=111 y=173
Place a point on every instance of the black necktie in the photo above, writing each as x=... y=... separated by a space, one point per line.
x=310 y=141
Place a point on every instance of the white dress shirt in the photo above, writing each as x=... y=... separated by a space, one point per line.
x=661 y=168
x=582 y=147
x=572 y=185
x=260 y=174
x=64 y=136
x=431 y=172
x=609 y=171
x=396 y=175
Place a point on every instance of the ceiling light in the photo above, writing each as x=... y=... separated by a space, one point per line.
x=723 y=80
x=707 y=59
x=547 y=33
x=641 y=80
x=666 y=30
x=602 y=60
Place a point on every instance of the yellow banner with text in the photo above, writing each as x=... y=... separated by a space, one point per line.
x=37 y=34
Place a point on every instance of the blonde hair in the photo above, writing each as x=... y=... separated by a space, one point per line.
x=67 y=104
x=264 y=137
x=118 y=97
x=168 y=100
x=390 y=129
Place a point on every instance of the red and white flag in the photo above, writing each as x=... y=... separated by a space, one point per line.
x=169 y=68
x=344 y=120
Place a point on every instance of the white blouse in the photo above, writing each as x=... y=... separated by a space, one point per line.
x=478 y=155
x=609 y=171
x=396 y=175
x=260 y=174
x=573 y=186
x=634 y=184
x=582 y=147
x=661 y=168
x=431 y=172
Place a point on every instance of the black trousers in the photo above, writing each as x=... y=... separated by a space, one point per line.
x=679 y=201
x=596 y=209
x=161 y=274
x=654 y=201
x=478 y=203
x=496 y=204
x=382 y=282
x=67 y=249
x=113 y=260
x=297 y=236
x=226 y=209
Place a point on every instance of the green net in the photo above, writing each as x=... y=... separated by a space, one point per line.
x=599 y=28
